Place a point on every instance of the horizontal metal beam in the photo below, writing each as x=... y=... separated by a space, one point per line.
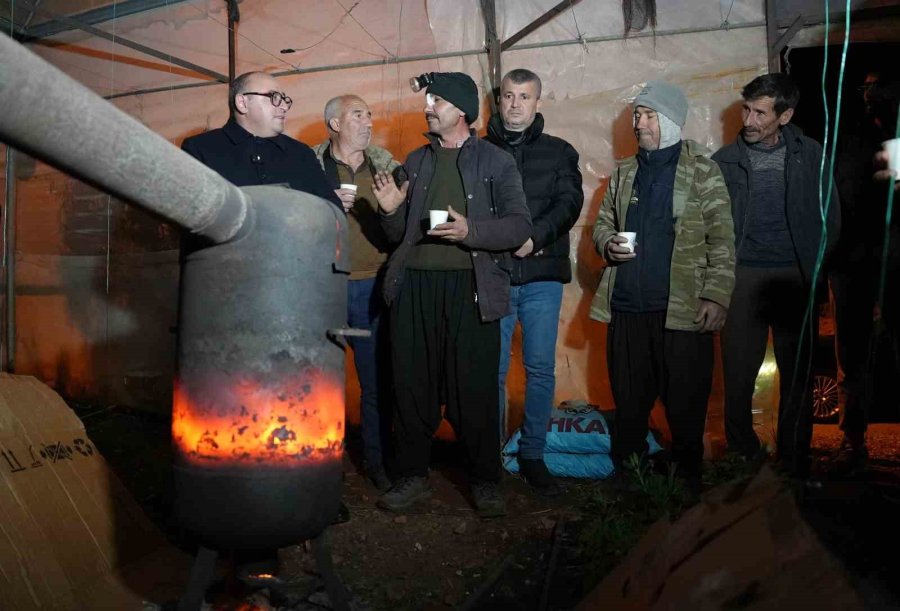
x=381 y=62
x=365 y=64
x=129 y=43
x=98 y=15
x=837 y=17
x=656 y=34
x=419 y=58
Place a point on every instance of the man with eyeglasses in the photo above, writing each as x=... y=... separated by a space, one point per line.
x=251 y=149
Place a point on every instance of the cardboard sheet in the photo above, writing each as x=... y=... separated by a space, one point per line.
x=71 y=537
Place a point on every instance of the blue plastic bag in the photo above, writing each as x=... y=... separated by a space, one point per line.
x=578 y=444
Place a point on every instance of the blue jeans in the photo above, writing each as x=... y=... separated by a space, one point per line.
x=364 y=308
x=536 y=305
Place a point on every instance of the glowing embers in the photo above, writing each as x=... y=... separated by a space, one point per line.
x=247 y=422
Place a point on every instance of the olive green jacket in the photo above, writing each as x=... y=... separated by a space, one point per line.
x=377 y=157
x=703 y=256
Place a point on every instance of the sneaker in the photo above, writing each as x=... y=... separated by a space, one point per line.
x=379 y=478
x=489 y=501
x=535 y=472
x=405 y=492
x=851 y=459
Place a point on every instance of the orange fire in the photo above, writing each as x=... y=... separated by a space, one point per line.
x=246 y=423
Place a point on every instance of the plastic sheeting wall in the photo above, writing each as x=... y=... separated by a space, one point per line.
x=95 y=319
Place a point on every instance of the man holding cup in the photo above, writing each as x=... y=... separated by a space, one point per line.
x=351 y=162
x=447 y=285
x=666 y=234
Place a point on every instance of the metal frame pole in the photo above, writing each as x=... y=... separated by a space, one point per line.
x=9 y=268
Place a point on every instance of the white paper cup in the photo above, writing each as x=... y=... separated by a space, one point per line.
x=351 y=186
x=892 y=148
x=630 y=236
x=436 y=217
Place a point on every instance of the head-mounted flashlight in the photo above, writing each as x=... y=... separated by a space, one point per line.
x=418 y=83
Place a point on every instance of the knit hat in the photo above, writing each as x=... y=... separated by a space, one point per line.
x=459 y=89
x=665 y=99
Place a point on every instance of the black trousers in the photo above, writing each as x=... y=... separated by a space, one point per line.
x=773 y=297
x=443 y=354
x=647 y=361
x=854 y=292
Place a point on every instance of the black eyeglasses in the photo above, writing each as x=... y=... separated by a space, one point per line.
x=276 y=97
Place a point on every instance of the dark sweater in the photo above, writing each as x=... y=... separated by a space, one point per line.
x=804 y=218
x=767 y=241
x=446 y=189
x=642 y=284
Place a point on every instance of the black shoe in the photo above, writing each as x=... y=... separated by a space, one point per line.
x=379 y=478
x=851 y=459
x=488 y=499
x=535 y=472
x=405 y=492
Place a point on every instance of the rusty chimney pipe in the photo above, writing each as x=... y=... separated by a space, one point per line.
x=52 y=117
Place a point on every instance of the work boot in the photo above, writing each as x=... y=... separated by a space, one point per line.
x=851 y=459
x=404 y=493
x=535 y=472
x=488 y=499
x=378 y=476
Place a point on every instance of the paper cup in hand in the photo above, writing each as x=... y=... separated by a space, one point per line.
x=348 y=186
x=892 y=148
x=437 y=217
x=630 y=236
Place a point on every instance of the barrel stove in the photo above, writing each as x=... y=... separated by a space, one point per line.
x=258 y=415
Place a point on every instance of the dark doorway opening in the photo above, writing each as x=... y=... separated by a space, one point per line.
x=805 y=67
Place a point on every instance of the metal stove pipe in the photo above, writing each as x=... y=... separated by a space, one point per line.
x=52 y=117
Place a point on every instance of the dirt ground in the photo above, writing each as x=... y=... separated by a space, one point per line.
x=440 y=555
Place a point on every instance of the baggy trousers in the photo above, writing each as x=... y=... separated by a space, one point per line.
x=647 y=361
x=443 y=354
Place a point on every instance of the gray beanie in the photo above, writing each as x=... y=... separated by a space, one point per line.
x=665 y=99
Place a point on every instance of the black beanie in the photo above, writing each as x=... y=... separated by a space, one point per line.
x=459 y=89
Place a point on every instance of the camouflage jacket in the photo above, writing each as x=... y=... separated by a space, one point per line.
x=703 y=256
x=377 y=158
